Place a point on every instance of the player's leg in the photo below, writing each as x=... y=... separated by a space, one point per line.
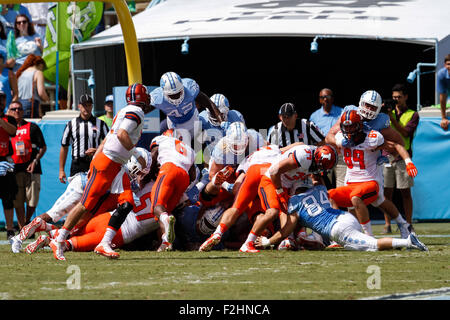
x=390 y=208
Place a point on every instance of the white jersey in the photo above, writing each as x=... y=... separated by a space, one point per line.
x=174 y=151
x=361 y=160
x=267 y=154
x=139 y=221
x=131 y=119
x=302 y=154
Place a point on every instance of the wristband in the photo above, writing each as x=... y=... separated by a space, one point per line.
x=280 y=190
x=228 y=186
x=265 y=242
x=408 y=160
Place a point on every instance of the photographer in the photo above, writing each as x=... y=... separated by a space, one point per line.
x=405 y=121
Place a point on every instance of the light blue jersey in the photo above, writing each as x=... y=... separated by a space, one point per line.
x=222 y=155
x=314 y=210
x=212 y=133
x=382 y=121
x=182 y=112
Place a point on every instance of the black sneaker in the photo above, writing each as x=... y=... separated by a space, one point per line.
x=10 y=234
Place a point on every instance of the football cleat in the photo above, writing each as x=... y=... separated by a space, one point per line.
x=16 y=244
x=248 y=247
x=40 y=242
x=104 y=249
x=36 y=225
x=165 y=246
x=416 y=243
x=58 y=251
x=210 y=242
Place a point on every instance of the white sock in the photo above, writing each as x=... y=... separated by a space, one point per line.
x=367 y=228
x=62 y=234
x=109 y=235
x=399 y=243
x=251 y=237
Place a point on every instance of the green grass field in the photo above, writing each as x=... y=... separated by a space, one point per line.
x=225 y=275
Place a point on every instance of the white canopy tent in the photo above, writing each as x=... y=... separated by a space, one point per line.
x=408 y=20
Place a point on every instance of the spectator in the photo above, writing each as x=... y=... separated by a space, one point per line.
x=290 y=130
x=8 y=185
x=10 y=12
x=109 y=108
x=31 y=85
x=27 y=40
x=3 y=38
x=28 y=148
x=404 y=121
x=325 y=117
x=38 y=12
x=443 y=88
x=85 y=134
x=8 y=82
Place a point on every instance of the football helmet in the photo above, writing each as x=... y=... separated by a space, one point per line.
x=134 y=167
x=173 y=88
x=222 y=104
x=371 y=98
x=351 y=124
x=137 y=94
x=210 y=219
x=325 y=157
x=236 y=138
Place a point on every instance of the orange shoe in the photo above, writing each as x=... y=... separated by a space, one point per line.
x=210 y=242
x=40 y=242
x=104 y=249
x=248 y=247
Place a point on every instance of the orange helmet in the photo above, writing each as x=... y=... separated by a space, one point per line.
x=137 y=95
x=325 y=157
x=351 y=124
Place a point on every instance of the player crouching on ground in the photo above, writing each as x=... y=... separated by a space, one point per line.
x=312 y=208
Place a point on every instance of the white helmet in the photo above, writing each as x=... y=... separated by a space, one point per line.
x=210 y=219
x=369 y=97
x=222 y=104
x=173 y=87
x=133 y=165
x=236 y=138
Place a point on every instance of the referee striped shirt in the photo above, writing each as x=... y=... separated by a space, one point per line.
x=305 y=131
x=83 y=134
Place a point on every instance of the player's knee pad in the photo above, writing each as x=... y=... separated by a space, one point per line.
x=119 y=215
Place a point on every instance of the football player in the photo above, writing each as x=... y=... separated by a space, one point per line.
x=277 y=184
x=364 y=178
x=177 y=170
x=312 y=208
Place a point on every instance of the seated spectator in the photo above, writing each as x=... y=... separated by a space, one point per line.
x=9 y=63
x=31 y=85
x=38 y=12
x=8 y=82
x=27 y=40
x=9 y=14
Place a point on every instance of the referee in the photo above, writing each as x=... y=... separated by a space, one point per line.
x=290 y=129
x=84 y=133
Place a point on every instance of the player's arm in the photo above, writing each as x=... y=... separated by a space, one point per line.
x=214 y=168
x=62 y=162
x=330 y=138
x=202 y=101
x=283 y=166
x=287 y=226
x=284 y=149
